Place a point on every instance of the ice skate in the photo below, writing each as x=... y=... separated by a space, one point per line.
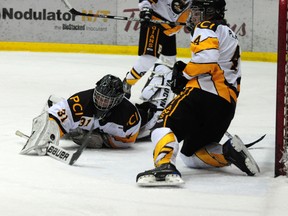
x=237 y=153
x=164 y=175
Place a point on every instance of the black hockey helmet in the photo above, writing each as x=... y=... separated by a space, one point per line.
x=107 y=94
x=210 y=9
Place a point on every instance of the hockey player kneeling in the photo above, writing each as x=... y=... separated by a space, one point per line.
x=100 y=117
x=207 y=90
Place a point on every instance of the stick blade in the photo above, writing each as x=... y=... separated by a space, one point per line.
x=59 y=153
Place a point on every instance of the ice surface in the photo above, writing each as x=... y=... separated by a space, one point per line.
x=102 y=182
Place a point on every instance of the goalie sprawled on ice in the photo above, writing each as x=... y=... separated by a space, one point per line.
x=89 y=117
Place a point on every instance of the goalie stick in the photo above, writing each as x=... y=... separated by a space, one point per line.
x=69 y=158
x=59 y=153
x=78 y=13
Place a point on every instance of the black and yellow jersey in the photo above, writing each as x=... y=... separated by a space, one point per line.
x=121 y=123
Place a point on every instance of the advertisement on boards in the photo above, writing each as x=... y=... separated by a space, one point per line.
x=51 y=21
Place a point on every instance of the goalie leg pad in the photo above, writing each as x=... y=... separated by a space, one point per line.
x=156 y=92
x=158 y=84
x=169 y=61
x=44 y=131
x=159 y=79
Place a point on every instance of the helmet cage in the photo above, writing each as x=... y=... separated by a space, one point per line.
x=103 y=102
x=208 y=10
x=197 y=15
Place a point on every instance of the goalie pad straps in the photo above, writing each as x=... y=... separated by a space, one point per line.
x=159 y=80
x=44 y=131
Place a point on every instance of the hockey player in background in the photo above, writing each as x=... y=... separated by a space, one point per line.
x=207 y=89
x=115 y=121
x=157 y=49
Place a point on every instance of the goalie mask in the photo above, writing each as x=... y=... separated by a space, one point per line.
x=107 y=94
x=207 y=10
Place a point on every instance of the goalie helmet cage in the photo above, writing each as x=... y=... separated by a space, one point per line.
x=281 y=133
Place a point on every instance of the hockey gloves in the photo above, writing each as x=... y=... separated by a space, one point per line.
x=145 y=16
x=95 y=140
x=178 y=80
x=190 y=24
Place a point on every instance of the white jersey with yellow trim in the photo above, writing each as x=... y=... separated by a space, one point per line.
x=215 y=62
x=121 y=123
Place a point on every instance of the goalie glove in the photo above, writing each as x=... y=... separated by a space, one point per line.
x=178 y=81
x=95 y=140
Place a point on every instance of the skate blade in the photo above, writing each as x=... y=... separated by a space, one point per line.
x=252 y=166
x=150 y=181
x=249 y=161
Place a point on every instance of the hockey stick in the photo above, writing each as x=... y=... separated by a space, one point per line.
x=248 y=144
x=59 y=153
x=78 y=13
